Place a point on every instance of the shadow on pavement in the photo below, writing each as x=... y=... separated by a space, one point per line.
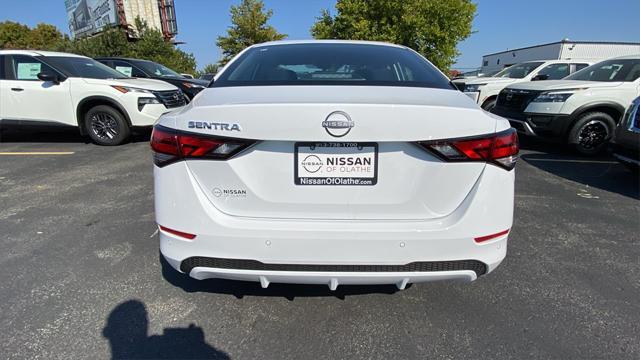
x=58 y=135
x=127 y=331
x=601 y=172
x=240 y=289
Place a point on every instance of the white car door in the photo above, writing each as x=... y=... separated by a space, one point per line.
x=27 y=98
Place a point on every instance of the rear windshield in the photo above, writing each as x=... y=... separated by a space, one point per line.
x=609 y=70
x=331 y=64
x=82 y=67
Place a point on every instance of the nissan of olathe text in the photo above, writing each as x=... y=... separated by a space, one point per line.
x=333 y=162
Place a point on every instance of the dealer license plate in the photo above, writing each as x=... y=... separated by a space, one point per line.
x=336 y=163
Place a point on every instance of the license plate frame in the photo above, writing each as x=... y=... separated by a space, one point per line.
x=320 y=180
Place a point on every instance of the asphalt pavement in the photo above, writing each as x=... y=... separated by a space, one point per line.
x=83 y=278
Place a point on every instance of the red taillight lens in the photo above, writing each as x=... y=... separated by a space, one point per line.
x=500 y=149
x=170 y=146
x=177 y=233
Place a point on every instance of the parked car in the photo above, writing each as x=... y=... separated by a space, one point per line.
x=58 y=89
x=484 y=90
x=148 y=69
x=582 y=109
x=207 y=77
x=365 y=166
x=188 y=76
x=626 y=141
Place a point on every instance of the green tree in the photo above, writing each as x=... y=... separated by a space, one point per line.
x=43 y=37
x=249 y=27
x=431 y=27
x=208 y=69
x=13 y=35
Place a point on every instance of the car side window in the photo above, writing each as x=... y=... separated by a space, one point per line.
x=580 y=66
x=127 y=69
x=25 y=68
x=555 y=71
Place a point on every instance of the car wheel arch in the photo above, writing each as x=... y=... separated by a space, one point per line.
x=612 y=109
x=89 y=102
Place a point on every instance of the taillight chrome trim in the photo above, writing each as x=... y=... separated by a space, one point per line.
x=510 y=165
x=170 y=158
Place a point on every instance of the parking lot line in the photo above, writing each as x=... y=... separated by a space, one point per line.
x=11 y=153
x=572 y=160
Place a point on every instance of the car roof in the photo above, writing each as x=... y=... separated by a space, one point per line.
x=38 y=53
x=356 y=42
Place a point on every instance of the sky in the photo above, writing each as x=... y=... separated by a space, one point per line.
x=499 y=25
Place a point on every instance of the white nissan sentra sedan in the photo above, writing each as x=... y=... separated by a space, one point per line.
x=333 y=162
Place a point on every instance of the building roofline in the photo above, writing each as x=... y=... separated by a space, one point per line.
x=566 y=42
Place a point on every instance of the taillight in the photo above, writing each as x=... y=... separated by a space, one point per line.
x=170 y=146
x=499 y=149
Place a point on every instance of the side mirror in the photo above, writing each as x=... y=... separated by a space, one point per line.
x=540 y=77
x=50 y=77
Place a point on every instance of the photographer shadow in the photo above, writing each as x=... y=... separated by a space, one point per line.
x=127 y=331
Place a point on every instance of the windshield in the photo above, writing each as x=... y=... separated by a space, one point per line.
x=609 y=70
x=331 y=64
x=518 y=71
x=82 y=67
x=157 y=69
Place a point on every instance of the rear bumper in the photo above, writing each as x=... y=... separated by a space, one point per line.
x=332 y=252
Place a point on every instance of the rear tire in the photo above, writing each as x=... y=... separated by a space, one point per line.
x=106 y=126
x=590 y=134
x=489 y=105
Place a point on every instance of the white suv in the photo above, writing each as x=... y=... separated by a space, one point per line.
x=484 y=90
x=48 y=88
x=582 y=109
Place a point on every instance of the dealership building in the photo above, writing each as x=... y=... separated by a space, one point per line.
x=561 y=50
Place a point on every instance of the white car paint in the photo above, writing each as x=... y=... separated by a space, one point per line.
x=58 y=103
x=422 y=209
x=583 y=93
x=490 y=87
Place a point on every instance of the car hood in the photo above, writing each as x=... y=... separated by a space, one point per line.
x=548 y=85
x=148 y=84
x=490 y=80
x=245 y=95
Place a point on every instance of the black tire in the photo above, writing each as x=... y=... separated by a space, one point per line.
x=106 y=126
x=489 y=105
x=591 y=132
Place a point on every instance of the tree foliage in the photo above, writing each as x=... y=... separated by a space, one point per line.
x=14 y=35
x=431 y=27
x=112 y=42
x=208 y=69
x=249 y=27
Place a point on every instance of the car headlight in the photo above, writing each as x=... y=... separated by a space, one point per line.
x=473 y=87
x=126 y=89
x=146 y=101
x=553 y=97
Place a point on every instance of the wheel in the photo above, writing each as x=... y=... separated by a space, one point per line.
x=106 y=126
x=590 y=134
x=489 y=105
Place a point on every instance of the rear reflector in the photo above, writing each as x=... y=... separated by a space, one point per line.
x=170 y=146
x=177 y=233
x=499 y=149
x=492 y=236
